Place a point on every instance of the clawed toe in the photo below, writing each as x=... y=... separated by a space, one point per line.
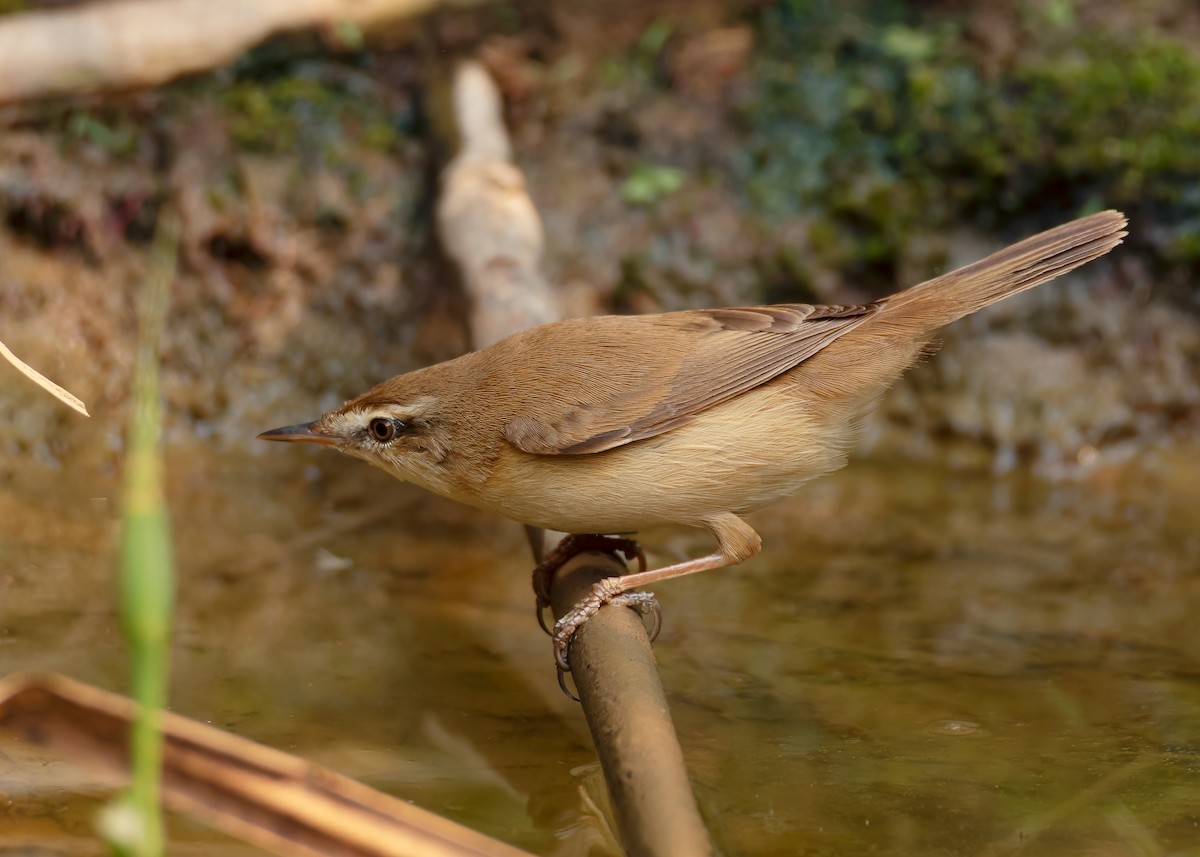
x=607 y=591
x=571 y=546
x=562 y=684
x=539 y=610
x=645 y=604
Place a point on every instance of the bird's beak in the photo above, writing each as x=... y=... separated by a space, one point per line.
x=301 y=433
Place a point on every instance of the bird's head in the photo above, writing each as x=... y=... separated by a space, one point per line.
x=395 y=429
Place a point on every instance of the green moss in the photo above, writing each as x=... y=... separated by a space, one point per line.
x=300 y=112
x=113 y=132
x=639 y=67
x=648 y=183
x=878 y=123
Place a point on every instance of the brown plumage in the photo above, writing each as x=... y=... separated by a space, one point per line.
x=617 y=423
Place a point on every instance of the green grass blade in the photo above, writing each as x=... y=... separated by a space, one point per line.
x=147 y=578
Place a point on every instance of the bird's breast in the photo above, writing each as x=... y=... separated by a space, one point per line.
x=734 y=457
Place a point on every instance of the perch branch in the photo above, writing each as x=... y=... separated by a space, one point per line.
x=613 y=668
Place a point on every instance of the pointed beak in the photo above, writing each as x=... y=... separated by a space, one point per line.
x=300 y=433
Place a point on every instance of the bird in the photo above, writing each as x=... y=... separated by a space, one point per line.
x=613 y=424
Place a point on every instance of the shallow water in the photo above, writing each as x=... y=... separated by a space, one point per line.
x=919 y=662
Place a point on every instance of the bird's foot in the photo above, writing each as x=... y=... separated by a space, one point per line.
x=608 y=591
x=571 y=546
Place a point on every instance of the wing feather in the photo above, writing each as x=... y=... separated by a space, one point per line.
x=702 y=358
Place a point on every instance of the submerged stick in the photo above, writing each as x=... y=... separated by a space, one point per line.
x=258 y=794
x=617 y=678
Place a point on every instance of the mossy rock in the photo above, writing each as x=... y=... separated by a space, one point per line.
x=877 y=124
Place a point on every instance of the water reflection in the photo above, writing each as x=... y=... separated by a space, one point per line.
x=920 y=662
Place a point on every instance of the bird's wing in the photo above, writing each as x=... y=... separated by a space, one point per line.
x=608 y=394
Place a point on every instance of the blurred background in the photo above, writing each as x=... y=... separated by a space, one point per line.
x=982 y=626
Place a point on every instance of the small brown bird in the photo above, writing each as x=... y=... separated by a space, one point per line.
x=617 y=423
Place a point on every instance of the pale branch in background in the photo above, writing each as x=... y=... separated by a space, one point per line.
x=489 y=227
x=137 y=43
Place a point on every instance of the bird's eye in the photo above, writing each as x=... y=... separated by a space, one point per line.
x=383 y=429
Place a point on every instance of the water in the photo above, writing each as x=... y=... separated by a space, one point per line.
x=919 y=662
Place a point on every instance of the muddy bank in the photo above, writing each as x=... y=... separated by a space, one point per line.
x=682 y=155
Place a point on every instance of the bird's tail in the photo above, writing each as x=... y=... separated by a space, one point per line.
x=937 y=302
x=854 y=369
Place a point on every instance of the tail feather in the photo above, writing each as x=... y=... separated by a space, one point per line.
x=1014 y=269
x=853 y=370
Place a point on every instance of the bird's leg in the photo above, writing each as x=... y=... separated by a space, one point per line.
x=736 y=542
x=573 y=545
